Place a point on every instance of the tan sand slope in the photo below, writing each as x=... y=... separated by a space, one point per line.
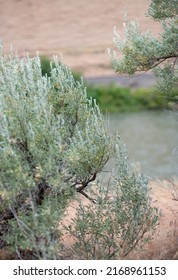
x=80 y=29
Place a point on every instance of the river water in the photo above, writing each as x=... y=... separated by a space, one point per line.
x=152 y=140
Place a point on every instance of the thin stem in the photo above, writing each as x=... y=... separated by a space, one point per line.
x=87 y=196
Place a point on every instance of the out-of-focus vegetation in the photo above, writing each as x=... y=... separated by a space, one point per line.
x=47 y=65
x=117 y=99
x=113 y=98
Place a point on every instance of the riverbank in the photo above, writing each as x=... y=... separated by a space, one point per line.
x=144 y=80
x=112 y=98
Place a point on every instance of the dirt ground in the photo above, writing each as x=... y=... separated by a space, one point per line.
x=81 y=30
x=164 y=243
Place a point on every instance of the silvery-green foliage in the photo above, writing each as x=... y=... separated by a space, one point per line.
x=121 y=219
x=160 y=10
x=142 y=51
x=53 y=141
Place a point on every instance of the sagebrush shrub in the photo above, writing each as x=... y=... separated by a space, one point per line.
x=53 y=143
x=121 y=218
x=144 y=51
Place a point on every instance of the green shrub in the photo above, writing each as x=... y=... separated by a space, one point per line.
x=47 y=66
x=53 y=143
x=117 y=99
x=118 y=221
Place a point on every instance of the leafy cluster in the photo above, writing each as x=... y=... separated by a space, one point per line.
x=161 y=10
x=46 y=66
x=142 y=51
x=53 y=143
x=121 y=218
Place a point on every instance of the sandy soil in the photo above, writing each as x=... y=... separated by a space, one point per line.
x=81 y=30
x=164 y=243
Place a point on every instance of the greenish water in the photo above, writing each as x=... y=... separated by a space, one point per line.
x=152 y=140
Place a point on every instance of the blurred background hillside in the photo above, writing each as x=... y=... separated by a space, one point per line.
x=81 y=30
